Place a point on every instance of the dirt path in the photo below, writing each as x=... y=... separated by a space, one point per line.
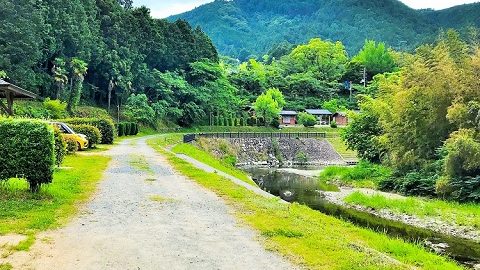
x=153 y=218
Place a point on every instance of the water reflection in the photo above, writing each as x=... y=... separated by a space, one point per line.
x=307 y=190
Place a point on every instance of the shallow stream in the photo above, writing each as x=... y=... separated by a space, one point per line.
x=300 y=186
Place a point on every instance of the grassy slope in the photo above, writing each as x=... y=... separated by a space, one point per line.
x=193 y=152
x=362 y=175
x=25 y=213
x=341 y=148
x=452 y=212
x=309 y=237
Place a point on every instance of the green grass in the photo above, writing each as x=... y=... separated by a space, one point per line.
x=140 y=163
x=364 y=174
x=5 y=266
x=22 y=212
x=342 y=149
x=204 y=157
x=450 y=212
x=308 y=237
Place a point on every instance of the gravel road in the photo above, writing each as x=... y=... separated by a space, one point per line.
x=154 y=218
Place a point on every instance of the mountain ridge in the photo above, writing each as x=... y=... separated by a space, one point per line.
x=242 y=28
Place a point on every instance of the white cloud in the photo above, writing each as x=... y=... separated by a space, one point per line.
x=436 y=4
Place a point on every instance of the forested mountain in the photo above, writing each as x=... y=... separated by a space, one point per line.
x=93 y=51
x=241 y=28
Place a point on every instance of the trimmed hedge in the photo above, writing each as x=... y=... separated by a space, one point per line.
x=28 y=151
x=72 y=145
x=60 y=147
x=106 y=127
x=127 y=129
x=94 y=136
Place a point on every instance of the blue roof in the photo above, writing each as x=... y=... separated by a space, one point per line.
x=288 y=113
x=319 y=112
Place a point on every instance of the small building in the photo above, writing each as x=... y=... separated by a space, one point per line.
x=324 y=117
x=288 y=118
x=10 y=92
x=340 y=118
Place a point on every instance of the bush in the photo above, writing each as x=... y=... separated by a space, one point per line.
x=91 y=112
x=135 y=129
x=121 y=129
x=412 y=184
x=260 y=121
x=307 y=119
x=28 y=150
x=72 y=145
x=94 y=136
x=60 y=147
x=106 y=127
x=364 y=174
x=56 y=109
x=252 y=121
x=301 y=158
x=128 y=129
x=275 y=123
x=333 y=124
x=465 y=189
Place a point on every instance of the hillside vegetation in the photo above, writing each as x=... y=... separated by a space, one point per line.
x=242 y=28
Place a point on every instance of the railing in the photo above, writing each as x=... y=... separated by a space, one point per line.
x=241 y=135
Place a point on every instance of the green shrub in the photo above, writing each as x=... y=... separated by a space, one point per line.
x=94 y=136
x=30 y=109
x=307 y=119
x=121 y=129
x=106 y=127
x=275 y=123
x=260 y=121
x=28 y=151
x=301 y=158
x=128 y=129
x=60 y=147
x=333 y=124
x=252 y=121
x=465 y=189
x=412 y=184
x=222 y=122
x=135 y=129
x=91 y=112
x=72 y=145
x=56 y=109
x=365 y=174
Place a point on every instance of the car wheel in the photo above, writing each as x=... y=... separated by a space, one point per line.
x=79 y=146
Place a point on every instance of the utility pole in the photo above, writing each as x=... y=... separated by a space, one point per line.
x=118 y=114
x=351 y=90
x=364 y=77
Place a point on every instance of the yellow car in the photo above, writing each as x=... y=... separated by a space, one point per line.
x=67 y=132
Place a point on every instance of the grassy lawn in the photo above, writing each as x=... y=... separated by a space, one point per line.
x=451 y=212
x=22 y=212
x=363 y=175
x=308 y=237
x=202 y=156
x=341 y=148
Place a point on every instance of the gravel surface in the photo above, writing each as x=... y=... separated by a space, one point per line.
x=149 y=220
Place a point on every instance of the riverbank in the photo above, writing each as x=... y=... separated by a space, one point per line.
x=308 y=237
x=451 y=220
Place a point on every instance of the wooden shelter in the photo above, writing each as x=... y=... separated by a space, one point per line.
x=10 y=92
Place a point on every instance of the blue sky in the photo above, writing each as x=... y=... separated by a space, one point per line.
x=165 y=8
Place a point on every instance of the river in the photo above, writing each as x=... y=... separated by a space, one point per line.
x=301 y=186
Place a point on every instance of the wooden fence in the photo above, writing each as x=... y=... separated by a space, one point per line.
x=240 y=135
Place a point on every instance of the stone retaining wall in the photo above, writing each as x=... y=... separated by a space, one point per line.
x=284 y=151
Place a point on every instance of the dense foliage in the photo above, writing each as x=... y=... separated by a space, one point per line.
x=60 y=146
x=99 y=52
x=423 y=121
x=104 y=125
x=278 y=24
x=28 y=151
x=94 y=136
